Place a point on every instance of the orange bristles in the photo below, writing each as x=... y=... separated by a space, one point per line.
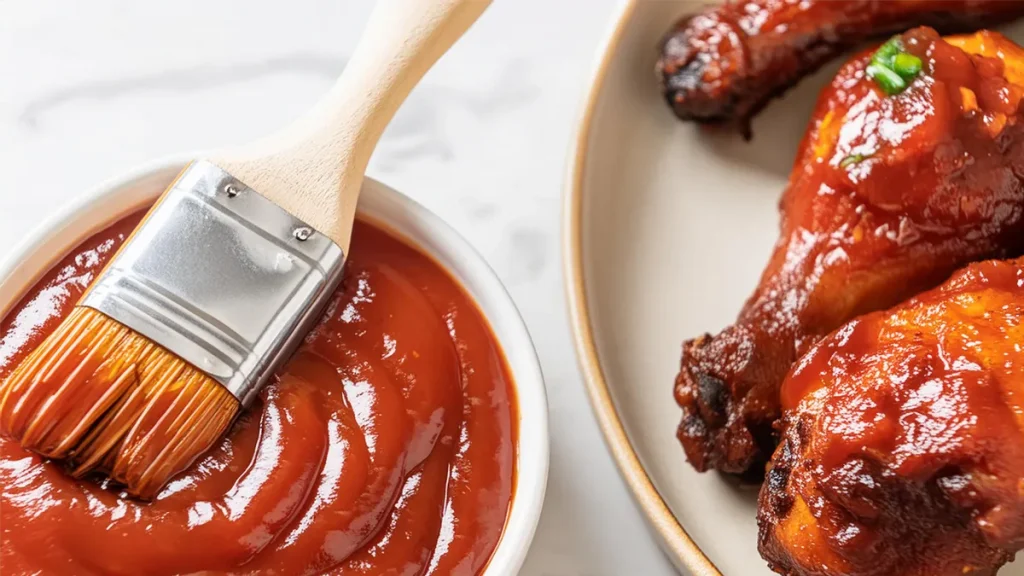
x=105 y=398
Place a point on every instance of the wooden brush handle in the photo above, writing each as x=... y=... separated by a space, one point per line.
x=314 y=168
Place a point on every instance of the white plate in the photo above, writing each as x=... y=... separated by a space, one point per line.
x=667 y=230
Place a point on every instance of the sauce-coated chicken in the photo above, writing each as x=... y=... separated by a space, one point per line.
x=903 y=444
x=893 y=189
x=724 y=64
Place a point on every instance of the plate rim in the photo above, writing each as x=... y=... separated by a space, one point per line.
x=674 y=539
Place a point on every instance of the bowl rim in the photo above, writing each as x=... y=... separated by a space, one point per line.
x=42 y=248
x=674 y=539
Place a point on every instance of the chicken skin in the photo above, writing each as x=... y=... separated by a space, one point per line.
x=902 y=451
x=900 y=181
x=724 y=64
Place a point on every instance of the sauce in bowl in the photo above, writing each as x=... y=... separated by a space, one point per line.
x=385 y=446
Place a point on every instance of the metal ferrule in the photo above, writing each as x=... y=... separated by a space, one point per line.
x=221 y=277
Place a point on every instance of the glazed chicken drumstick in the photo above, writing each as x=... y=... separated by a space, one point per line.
x=911 y=168
x=725 y=63
x=903 y=444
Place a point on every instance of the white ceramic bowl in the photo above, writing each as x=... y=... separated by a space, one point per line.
x=123 y=195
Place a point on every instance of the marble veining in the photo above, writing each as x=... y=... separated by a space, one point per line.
x=192 y=79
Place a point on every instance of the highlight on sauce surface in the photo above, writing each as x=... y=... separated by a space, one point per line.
x=386 y=445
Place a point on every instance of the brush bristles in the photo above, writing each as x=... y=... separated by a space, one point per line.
x=105 y=398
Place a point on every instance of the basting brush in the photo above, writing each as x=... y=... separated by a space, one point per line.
x=222 y=279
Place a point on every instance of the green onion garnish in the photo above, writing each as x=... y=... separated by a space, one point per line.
x=890 y=82
x=886 y=52
x=892 y=68
x=907 y=66
x=852 y=159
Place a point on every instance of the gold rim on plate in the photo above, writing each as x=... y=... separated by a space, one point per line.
x=674 y=539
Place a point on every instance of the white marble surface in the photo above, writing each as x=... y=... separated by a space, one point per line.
x=89 y=89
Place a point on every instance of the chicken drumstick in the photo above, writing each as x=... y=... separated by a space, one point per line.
x=724 y=64
x=912 y=167
x=903 y=444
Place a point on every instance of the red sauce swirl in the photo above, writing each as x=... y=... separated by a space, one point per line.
x=385 y=446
